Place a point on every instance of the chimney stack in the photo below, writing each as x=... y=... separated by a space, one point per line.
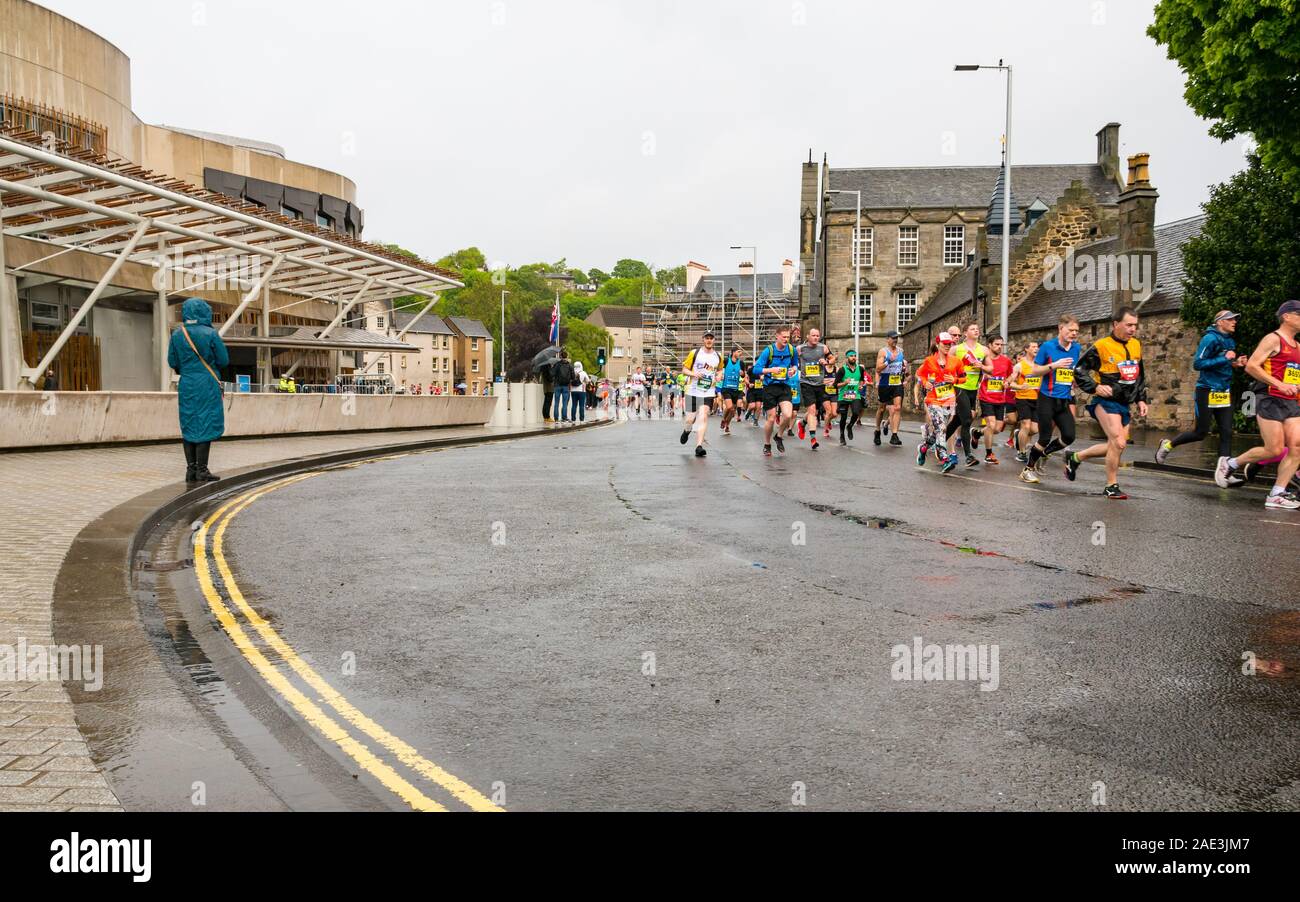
x=694 y=272
x=787 y=276
x=1108 y=150
x=1137 y=235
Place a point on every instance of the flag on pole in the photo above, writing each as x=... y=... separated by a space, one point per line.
x=555 y=321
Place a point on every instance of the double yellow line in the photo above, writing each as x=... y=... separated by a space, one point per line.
x=215 y=527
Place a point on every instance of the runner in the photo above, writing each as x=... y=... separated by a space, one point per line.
x=732 y=393
x=993 y=396
x=774 y=365
x=755 y=394
x=1216 y=358
x=939 y=375
x=1025 y=387
x=891 y=376
x=1276 y=364
x=812 y=383
x=972 y=354
x=701 y=368
x=850 y=382
x=1116 y=360
x=830 y=406
x=1056 y=359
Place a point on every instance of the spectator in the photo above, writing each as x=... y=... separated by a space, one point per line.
x=548 y=392
x=196 y=352
x=562 y=373
x=578 y=412
x=51 y=381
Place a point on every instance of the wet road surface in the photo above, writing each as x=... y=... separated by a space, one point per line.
x=602 y=621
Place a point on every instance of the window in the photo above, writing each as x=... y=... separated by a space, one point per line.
x=906 y=308
x=50 y=315
x=864 y=246
x=473 y=368
x=954 y=245
x=909 y=250
x=446 y=364
x=862 y=315
x=403 y=361
x=381 y=368
x=324 y=221
x=289 y=212
x=445 y=340
x=379 y=322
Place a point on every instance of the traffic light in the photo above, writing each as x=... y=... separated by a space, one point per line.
x=600 y=358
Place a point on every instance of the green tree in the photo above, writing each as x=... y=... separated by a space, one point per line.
x=674 y=276
x=631 y=269
x=465 y=260
x=1241 y=58
x=581 y=341
x=1247 y=258
x=599 y=275
x=623 y=292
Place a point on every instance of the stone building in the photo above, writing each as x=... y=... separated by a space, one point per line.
x=627 y=334
x=923 y=226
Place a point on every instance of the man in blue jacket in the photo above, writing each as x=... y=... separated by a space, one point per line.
x=1216 y=358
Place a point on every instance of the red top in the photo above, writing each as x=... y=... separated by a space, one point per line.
x=945 y=379
x=993 y=386
x=1284 y=366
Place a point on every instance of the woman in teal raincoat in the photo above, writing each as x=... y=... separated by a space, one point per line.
x=197 y=353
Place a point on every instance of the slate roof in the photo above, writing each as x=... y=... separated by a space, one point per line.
x=964 y=186
x=1170 y=239
x=615 y=316
x=770 y=283
x=428 y=324
x=955 y=293
x=470 y=328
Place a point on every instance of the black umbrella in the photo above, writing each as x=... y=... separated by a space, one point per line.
x=545 y=358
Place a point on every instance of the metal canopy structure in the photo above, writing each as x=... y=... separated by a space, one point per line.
x=76 y=200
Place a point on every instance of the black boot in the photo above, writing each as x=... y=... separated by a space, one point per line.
x=201 y=458
x=191 y=469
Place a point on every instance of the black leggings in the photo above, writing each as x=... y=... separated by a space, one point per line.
x=1206 y=417
x=965 y=415
x=850 y=414
x=1055 y=413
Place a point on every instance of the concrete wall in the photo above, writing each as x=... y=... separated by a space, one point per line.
x=130 y=337
x=35 y=419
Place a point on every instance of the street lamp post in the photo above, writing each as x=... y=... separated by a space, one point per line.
x=857 y=269
x=503 y=335
x=750 y=247
x=723 y=296
x=1006 y=195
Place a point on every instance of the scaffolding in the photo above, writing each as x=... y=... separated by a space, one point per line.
x=673 y=324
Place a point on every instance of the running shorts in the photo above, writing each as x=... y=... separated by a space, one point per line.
x=1026 y=409
x=812 y=395
x=774 y=394
x=1111 y=406
x=889 y=392
x=990 y=409
x=1277 y=410
x=732 y=394
x=753 y=395
x=694 y=403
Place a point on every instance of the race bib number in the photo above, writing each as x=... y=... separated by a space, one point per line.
x=812 y=370
x=1128 y=371
x=704 y=382
x=1065 y=376
x=848 y=394
x=995 y=386
x=1292 y=374
x=778 y=373
x=1220 y=399
x=895 y=380
x=1033 y=383
x=944 y=391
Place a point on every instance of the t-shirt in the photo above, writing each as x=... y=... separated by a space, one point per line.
x=811 y=372
x=1059 y=381
x=993 y=386
x=638 y=381
x=944 y=378
x=704 y=365
x=850 y=382
x=973 y=372
x=785 y=362
x=1032 y=383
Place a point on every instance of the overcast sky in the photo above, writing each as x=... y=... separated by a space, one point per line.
x=664 y=130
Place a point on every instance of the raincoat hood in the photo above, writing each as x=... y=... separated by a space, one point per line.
x=196 y=311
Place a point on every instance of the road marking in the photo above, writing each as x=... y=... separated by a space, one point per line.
x=405 y=753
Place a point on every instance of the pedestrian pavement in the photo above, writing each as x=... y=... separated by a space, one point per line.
x=46 y=499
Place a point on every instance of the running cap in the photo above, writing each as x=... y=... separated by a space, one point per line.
x=1227 y=314
x=892 y=333
x=946 y=338
x=708 y=334
x=1291 y=306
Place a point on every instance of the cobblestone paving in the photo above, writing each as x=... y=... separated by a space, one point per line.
x=46 y=499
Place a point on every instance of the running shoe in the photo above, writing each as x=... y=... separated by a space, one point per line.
x=1072 y=464
x=895 y=440
x=971 y=461
x=921 y=451
x=850 y=428
x=826 y=433
x=700 y=452
x=815 y=446
x=1162 y=453
x=1221 y=473
x=951 y=463
x=885 y=427
x=790 y=434
x=1028 y=475
x=843 y=443
x=1022 y=458
x=1235 y=481
x=1115 y=492
x=1011 y=443
x=686 y=436
x=1041 y=466
x=991 y=458
x=1284 y=502
x=975 y=435
x=767 y=450
x=876 y=440
x=780 y=445
x=1250 y=471
x=803 y=432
